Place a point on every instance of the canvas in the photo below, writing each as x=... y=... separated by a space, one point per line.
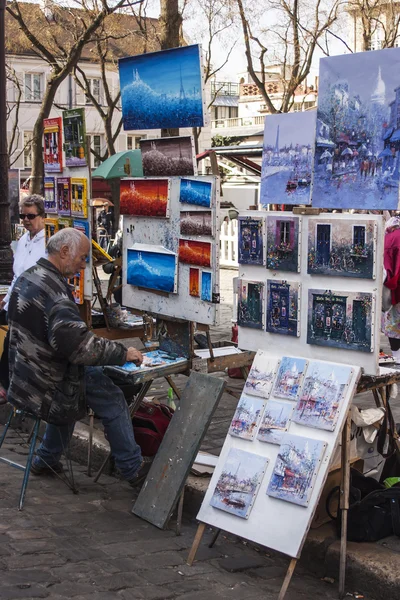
x=251 y=240
x=79 y=197
x=341 y=247
x=81 y=226
x=261 y=376
x=251 y=304
x=283 y=242
x=144 y=197
x=340 y=319
x=194 y=282
x=50 y=228
x=168 y=156
x=162 y=89
x=75 y=137
x=296 y=468
x=152 y=267
x=247 y=417
x=325 y=386
x=275 y=421
x=287 y=158
x=206 y=286
x=50 y=204
x=283 y=307
x=239 y=482
x=290 y=377
x=156 y=358
x=52 y=142
x=358 y=140
x=63 y=195
x=196 y=223
x=195 y=253
x=196 y=191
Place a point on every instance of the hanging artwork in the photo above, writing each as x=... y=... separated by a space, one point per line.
x=340 y=319
x=251 y=304
x=168 y=156
x=296 y=469
x=290 y=377
x=162 y=89
x=64 y=222
x=152 y=267
x=357 y=148
x=75 y=137
x=79 y=197
x=144 y=197
x=325 y=386
x=287 y=158
x=50 y=204
x=283 y=307
x=275 y=421
x=77 y=286
x=82 y=226
x=251 y=240
x=261 y=376
x=342 y=247
x=247 y=417
x=239 y=482
x=194 y=282
x=196 y=191
x=195 y=253
x=63 y=194
x=196 y=223
x=283 y=242
x=50 y=228
x=206 y=286
x=52 y=134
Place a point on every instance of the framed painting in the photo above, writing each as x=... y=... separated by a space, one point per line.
x=75 y=137
x=144 y=197
x=50 y=204
x=53 y=149
x=194 y=282
x=168 y=156
x=63 y=195
x=196 y=191
x=283 y=242
x=283 y=307
x=275 y=421
x=195 y=253
x=152 y=267
x=196 y=223
x=290 y=377
x=261 y=376
x=251 y=240
x=251 y=304
x=247 y=417
x=206 y=286
x=79 y=197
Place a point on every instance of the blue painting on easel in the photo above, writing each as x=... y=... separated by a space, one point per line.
x=152 y=270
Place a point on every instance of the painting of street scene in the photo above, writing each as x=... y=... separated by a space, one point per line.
x=196 y=191
x=324 y=388
x=261 y=376
x=341 y=247
x=144 y=197
x=250 y=304
x=340 y=319
x=152 y=267
x=251 y=240
x=196 y=222
x=168 y=156
x=283 y=243
x=247 y=417
x=290 y=377
x=239 y=482
x=296 y=468
x=162 y=89
x=358 y=136
x=275 y=421
x=283 y=314
x=287 y=158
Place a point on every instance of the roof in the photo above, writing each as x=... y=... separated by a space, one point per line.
x=226 y=101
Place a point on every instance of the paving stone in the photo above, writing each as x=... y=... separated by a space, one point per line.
x=203 y=553
x=148 y=592
x=195 y=569
x=122 y=549
x=11 y=593
x=269 y=572
x=29 y=534
x=71 y=589
x=159 y=560
x=161 y=576
x=242 y=563
x=118 y=581
x=34 y=560
x=28 y=576
x=33 y=546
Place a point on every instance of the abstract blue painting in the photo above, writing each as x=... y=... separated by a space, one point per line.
x=206 y=287
x=162 y=89
x=154 y=270
x=195 y=191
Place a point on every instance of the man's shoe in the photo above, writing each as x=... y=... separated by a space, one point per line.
x=43 y=469
x=142 y=472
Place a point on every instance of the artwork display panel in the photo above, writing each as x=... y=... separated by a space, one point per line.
x=162 y=89
x=168 y=156
x=52 y=137
x=79 y=197
x=206 y=286
x=261 y=376
x=74 y=125
x=247 y=417
x=251 y=240
x=144 y=197
x=342 y=248
x=340 y=319
x=238 y=485
x=195 y=253
x=275 y=421
x=287 y=158
x=290 y=377
x=196 y=191
x=50 y=204
x=251 y=304
x=283 y=243
x=152 y=267
x=283 y=307
x=196 y=223
x=63 y=194
x=357 y=147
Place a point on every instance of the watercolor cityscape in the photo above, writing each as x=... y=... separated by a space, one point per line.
x=261 y=376
x=196 y=223
x=168 y=156
x=275 y=421
x=283 y=307
x=155 y=270
x=251 y=242
x=195 y=253
x=251 y=303
x=289 y=378
x=283 y=243
x=247 y=417
x=196 y=191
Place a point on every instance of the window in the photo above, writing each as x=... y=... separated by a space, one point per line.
x=226 y=112
x=27 y=150
x=359 y=236
x=33 y=87
x=284 y=232
x=132 y=141
x=97 y=144
x=94 y=86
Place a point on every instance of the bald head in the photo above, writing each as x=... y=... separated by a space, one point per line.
x=67 y=250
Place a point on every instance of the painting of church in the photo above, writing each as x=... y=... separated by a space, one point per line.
x=283 y=307
x=289 y=377
x=251 y=240
x=340 y=319
x=357 y=148
x=283 y=243
x=251 y=304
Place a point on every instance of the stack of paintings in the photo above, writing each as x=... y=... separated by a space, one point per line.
x=283 y=243
x=251 y=240
x=251 y=304
x=283 y=307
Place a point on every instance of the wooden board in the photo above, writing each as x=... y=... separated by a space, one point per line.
x=179 y=449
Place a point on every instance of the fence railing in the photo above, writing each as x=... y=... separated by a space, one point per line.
x=238 y=122
x=228 y=240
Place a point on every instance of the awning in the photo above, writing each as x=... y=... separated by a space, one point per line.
x=396 y=136
x=385 y=152
x=388 y=133
x=226 y=101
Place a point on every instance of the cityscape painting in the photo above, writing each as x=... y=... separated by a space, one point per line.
x=290 y=377
x=168 y=156
x=162 y=89
x=261 y=376
x=194 y=282
x=247 y=417
x=341 y=247
x=283 y=242
x=152 y=267
x=324 y=388
x=296 y=469
x=144 y=197
x=251 y=240
x=251 y=304
x=357 y=148
x=196 y=222
x=50 y=204
x=340 y=319
x=206 y=286
x=195 y=253
x=196 y=191
x=239 y=482
x=283 y=307
x=287 y=158
x=275 y=421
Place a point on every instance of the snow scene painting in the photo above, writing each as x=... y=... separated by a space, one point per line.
x=251 y=240
x=283 y=242
x=144 y=197
x=324 y=388
x=196 y=191
x=283 y=308
x=196 y=222
x=251 y=304
x=275 y=421
x=168 y=156
x=357 y=151
x=247 y=417
x=152 y=269
x=206 y=286
x=261 y=376
x=287 y=158
x=162 y=89
x=195 y=253
x=290 y=377
x=239 y=482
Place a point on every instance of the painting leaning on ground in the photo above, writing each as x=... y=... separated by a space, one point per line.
x=168 y=156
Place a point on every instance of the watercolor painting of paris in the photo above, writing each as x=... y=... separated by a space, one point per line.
x=247 y=417
x=275 y=421
x=261 y=376
x=290 y=377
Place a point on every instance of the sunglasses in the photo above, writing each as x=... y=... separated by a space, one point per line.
x=29 y=216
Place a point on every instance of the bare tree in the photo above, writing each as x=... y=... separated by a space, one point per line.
x=375 y=18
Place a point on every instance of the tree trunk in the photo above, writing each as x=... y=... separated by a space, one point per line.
x=170 y=24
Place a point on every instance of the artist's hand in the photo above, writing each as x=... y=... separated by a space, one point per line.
x=134 y=356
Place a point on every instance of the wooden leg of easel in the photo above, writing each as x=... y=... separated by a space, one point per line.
x=209 y=344
x=196 y=543
x=288 y=577
x=344 y=502
x=214 y=539
x=180 y=513
x=171 y=383
x=102 y=302
x=90 y=446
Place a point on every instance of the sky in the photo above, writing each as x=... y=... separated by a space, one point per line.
x=295 y=128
